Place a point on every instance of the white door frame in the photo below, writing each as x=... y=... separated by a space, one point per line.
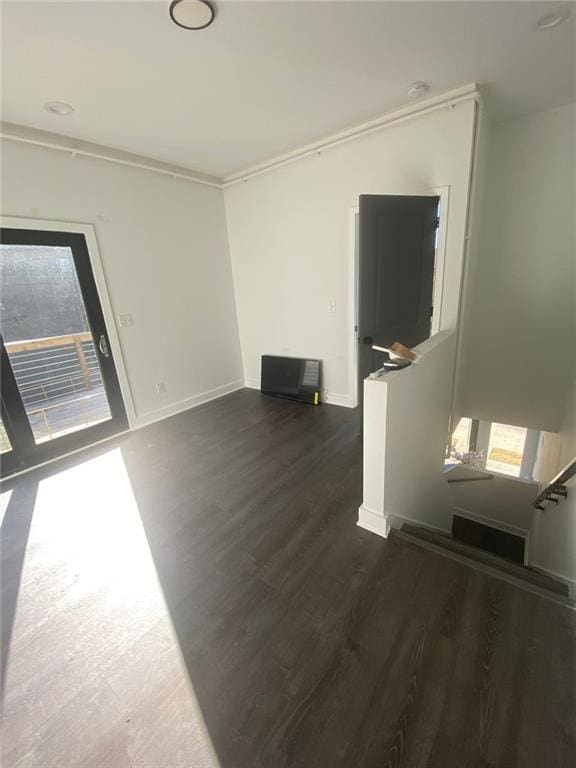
x=18 y=222
x=353 y=272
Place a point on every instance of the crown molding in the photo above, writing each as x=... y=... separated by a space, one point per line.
x=56 y=141
x=26 y=135
x=448 y=99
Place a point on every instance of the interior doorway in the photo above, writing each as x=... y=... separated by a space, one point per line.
x=60 y=388
x=401 y=242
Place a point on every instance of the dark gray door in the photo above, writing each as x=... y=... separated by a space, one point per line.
x=397 y=244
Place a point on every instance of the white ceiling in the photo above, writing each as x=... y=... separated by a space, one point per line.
x=266 y=76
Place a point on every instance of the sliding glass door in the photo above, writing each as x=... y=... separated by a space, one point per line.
x=60 y=389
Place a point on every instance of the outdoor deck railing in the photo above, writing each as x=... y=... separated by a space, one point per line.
x=57 y=374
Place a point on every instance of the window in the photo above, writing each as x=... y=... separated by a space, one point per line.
x=502 y=448
x=506 y=449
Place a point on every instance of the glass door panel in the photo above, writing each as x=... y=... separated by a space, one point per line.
x=60 y=388
x=49 y=342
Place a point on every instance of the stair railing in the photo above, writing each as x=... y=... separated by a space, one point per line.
x=556 y=487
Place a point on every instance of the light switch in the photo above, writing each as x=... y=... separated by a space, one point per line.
x=126 y=320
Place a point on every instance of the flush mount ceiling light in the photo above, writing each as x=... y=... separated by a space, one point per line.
x=58 y=108
x=418 y=89
x=553 y=19
x=191 y=14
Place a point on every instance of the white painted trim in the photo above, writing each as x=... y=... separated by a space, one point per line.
x=190 y=402
x=398 y=520
x=75 y=147
x=446 y=100
x=330 y=398
x=335 y=398
x=373 y=522
x=18 y=222
x=523 y=533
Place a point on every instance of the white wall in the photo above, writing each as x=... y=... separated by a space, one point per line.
x=289 y=236
x=405 y=431
x=164 y=248
x=518 y=334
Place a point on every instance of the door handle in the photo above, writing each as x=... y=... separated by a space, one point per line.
x=367 y=340
x=103 y=346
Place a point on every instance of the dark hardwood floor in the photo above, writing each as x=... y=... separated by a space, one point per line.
x=197 y=593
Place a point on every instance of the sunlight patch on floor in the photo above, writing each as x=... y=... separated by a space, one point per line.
x=91 y=630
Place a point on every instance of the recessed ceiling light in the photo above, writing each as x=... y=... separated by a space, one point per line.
x=418 y=89
x=58 y=108
x=553 y=19
x=191 y=14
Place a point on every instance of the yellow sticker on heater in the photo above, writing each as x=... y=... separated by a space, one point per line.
x=315 y=398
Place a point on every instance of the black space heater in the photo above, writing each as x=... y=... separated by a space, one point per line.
x=291 y=377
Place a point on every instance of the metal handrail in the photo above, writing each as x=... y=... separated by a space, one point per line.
x=557 y=486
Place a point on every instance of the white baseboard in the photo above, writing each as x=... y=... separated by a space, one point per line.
x=373 y=522
x=330 y=398
x=334 y=398
x=184 y=405
x=398 y=520
x=383 y=524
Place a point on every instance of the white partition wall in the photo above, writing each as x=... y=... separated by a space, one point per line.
x=406 y=416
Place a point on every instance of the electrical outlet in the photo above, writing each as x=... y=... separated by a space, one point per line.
x=160 y=388
x=126 y=321
x=332 y=306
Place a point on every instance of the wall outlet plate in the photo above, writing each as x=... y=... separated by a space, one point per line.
x=126 y=321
